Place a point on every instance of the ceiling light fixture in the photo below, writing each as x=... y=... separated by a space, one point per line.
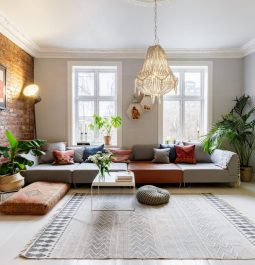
x=155 y=78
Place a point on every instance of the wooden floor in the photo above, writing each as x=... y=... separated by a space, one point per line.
x=17 y=231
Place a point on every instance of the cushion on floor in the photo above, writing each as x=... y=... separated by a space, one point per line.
x=35 y=199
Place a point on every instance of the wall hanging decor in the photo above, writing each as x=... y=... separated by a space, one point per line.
x=2 y=87
x=135 y=110
x=155 y=78
x=146 y=103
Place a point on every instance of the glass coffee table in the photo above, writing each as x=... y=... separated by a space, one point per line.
x=110 y=181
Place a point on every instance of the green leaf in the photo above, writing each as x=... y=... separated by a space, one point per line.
x=12 y=140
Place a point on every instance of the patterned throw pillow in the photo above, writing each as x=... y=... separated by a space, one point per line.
x=63 y=157
x=120 y=155
x=161 y=155
x=185 y=154
x=48 y=149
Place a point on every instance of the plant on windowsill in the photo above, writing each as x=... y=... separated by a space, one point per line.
x=237 y=128
x=14 y=162
x=105 y=125
x=103 y=162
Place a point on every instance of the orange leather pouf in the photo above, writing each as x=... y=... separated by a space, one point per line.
x=35 y=199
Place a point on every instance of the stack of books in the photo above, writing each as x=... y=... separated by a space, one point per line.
x=124 y=176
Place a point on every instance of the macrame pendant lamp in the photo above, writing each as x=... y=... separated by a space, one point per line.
x=155 y=78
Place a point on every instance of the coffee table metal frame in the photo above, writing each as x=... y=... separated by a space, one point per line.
x=110 y=181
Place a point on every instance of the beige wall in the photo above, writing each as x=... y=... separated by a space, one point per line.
x=51 y=113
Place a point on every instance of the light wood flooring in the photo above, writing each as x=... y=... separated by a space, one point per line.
x=17 y=231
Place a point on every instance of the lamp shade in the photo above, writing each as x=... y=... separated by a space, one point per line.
x=31 y=90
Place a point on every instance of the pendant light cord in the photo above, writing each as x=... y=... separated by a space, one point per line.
x=156 y=39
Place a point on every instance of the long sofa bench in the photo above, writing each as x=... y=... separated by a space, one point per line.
x=221 y=167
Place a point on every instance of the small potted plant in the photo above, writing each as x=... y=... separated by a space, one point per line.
x=237 y=128
x=14 y=162
x=103 y=162
x=105 y=126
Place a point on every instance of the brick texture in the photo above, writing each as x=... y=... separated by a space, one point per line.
x=19 y=115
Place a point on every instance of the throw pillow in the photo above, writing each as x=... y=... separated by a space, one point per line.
x=78 y=153
x=88 y=151
x=185 y=154
x=48 y=149
x=63 y=157
x=161 y=156
x=120 y=155
x=201 y=155
x=172 y=152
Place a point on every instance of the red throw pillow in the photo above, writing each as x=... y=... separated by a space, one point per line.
x=185 y=154
x=63 y=157
x=121 y=156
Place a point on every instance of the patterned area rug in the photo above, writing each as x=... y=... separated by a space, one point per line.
x=188 y=227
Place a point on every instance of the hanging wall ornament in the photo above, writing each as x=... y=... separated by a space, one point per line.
x=146 y=103
x=135 y=110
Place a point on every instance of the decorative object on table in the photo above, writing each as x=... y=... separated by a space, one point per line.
x=10 y=178
x=105 y=125
x=155 y=78
x=237 y=128
x=2 y=87
x=35 y=199
x=146 y=103
x=102 y=161
x=152 y=195
x=92 y=150
x=124 y=176
x=32 y=91
x=185 y=154
x=63 y=157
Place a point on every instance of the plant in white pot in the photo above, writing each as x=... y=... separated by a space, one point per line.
x=105 y=125
x=14 y=162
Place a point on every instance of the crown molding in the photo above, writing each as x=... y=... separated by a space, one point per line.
x=248 y=47
x=138 y=53
x=17 y=36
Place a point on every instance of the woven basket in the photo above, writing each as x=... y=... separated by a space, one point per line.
x=11 y=182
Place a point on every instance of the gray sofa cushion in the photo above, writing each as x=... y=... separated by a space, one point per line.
x=161 y=155
x=78 y=153
x=143 y=152
x=86 y=172
x=48 y=149
x=201 y=155
x=205 y=173
x=49 y=172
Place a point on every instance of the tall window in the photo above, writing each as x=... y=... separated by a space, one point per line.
x=94 y=92
x=185 y=113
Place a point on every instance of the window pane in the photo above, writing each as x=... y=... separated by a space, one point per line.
x=172 y=92
x=85 y=84
x=192 y=84
x=106 y=108
x=107 y=84
x=171 y=120
x=192 y=120
x=86 y=108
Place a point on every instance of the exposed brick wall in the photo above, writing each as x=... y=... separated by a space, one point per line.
x=18 y=117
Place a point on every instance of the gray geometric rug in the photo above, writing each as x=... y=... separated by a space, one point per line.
x=188 y=227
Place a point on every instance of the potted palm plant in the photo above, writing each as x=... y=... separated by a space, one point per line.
x=14 y=162
x=237 y=128
x=105 y=125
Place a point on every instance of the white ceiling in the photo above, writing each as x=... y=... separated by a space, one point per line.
x=126 y=24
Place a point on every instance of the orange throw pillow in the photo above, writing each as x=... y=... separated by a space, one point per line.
x=63 y=157
x=185 y=154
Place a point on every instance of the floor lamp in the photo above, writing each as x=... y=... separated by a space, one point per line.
x=32 y=91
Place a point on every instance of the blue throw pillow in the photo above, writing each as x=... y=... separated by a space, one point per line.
x=88 y=151
x=172 y=152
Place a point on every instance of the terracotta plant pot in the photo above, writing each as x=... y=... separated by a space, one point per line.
x=246 y=174
x=11 y=182
x=107 y=140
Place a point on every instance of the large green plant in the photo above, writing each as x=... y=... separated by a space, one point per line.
x=12 y=153
x=237 y=128
x=105 y=124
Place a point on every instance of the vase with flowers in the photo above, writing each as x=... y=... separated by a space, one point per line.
x=102 y=161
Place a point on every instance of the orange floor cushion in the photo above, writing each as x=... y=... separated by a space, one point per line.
x=35 y=199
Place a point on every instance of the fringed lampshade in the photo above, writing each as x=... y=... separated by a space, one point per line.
x=156 y=78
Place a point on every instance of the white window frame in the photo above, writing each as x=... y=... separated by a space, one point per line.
x=207 y=94
x=71 y=94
